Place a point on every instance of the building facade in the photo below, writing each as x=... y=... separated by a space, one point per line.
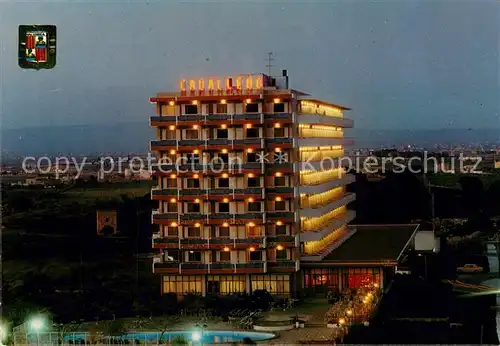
x=249 y=185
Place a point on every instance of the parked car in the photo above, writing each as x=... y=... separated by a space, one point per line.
x=470 y=268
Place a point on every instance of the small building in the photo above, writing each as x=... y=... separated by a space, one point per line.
x=370 y=255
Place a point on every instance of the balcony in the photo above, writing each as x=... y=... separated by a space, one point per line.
x=212 y=219
x=336 y=223
x=213 y=143
x=209 y=268
x=208 y=243
x=207 y=118
x=321 y=210
x=287 y=240
x=217 y=194
x=216 y=168
x=324 y=120
x=278 y=116
x=283 y=190
x=281 y=215
x=283 y=266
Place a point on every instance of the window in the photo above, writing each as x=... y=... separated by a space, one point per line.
x=192 y=158
x=171 y=134
x=359 y=277
x=255 y=256
x=227 y=284
x=274 y=284
x=172 y=183
x=172 y=207
x=279 y=132
x=191 y=109
x=192 y=134
x=253 y=182
x=252 y=133
x=193 y=207
x=279 y=205
x=172 y=232
x=223 y=182
x=210 y=108
x=279 y=181
x=194 y=256
x=251 y=107
x=225 y=256
x=182 y=284
x=279 y=108
x=193 y=232
x=280 y=230
x=193 y=183
x=223 y=158
x=251 y=157
x=281 y=254
x=223 y=207
x=254 y=232
x=254 y=206
x=172 y=255
x=222 y=133
x=224 y=232
x=221 y=108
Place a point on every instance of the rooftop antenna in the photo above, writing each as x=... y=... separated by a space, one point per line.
x=270 y=59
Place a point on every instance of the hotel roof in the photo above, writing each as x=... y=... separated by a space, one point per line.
x=372 y=245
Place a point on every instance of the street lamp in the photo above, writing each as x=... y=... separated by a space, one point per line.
x=3 y=334
x=198 y=336
x=36 y=324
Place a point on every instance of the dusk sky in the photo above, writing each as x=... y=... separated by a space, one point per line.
x=398 y=64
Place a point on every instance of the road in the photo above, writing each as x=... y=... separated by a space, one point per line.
x=491 y=279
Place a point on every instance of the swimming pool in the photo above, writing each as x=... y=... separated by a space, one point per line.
x=207 y=336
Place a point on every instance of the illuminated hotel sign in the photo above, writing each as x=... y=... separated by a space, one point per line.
x=240 y=84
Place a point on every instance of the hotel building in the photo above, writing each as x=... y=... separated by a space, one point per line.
x=248 y=187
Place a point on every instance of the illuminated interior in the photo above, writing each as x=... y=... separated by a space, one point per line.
x=312 y=177
x=313 y=247
x=325 y=131
x=308 y=107
x=320 y=199
x=319 y=153
x=317 y=223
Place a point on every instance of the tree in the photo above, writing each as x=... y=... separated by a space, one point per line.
x=179 y=340
x=66 y=328
x=167 y=323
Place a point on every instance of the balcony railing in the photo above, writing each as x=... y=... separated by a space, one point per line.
x=279 y=140
x=284 y=264
x=218 y=117
x=186 y=242
x=216 y=192
x=284 y=116
x=183 y=167
x=186 y=267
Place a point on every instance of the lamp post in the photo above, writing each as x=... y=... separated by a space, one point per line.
x=198 y=336
x=36 y=324
x=3 y=334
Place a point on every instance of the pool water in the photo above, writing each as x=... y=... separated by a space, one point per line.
x=208 y=336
